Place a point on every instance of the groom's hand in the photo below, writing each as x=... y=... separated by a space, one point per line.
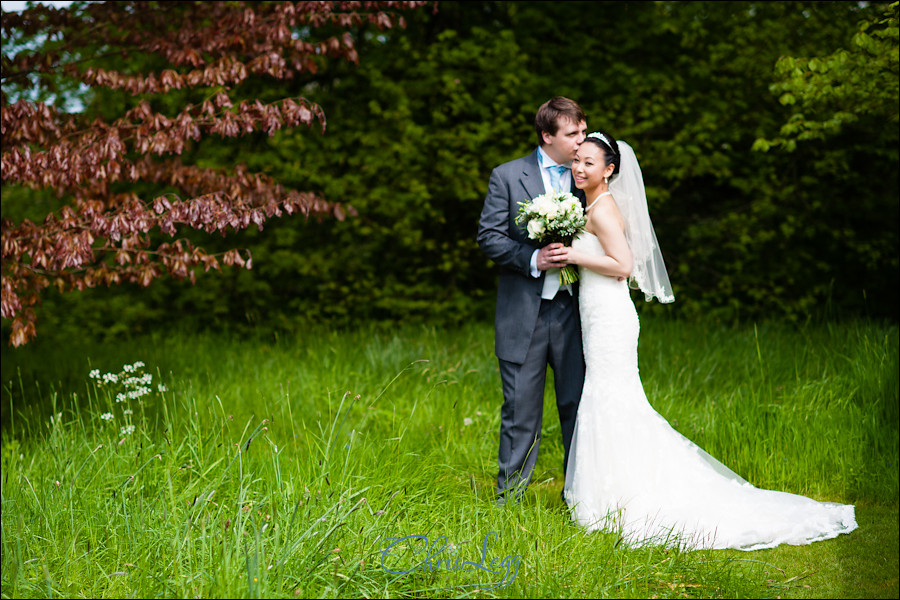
x=552 y=255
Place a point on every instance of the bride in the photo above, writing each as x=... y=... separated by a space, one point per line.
x=629 y=470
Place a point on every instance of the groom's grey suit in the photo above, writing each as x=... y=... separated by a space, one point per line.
x=530 y=332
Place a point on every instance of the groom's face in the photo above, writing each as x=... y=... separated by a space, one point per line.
x=563 y=145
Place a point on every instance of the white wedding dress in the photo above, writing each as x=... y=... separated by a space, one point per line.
x=630 y=471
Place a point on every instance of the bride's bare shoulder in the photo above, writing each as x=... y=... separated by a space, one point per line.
x=607 y=214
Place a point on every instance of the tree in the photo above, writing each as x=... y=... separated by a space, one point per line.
x=169 y=71
x=829 y=92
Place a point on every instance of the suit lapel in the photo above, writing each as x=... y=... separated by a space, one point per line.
x=531 y=179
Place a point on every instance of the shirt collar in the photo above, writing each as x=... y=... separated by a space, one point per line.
x=547 y=162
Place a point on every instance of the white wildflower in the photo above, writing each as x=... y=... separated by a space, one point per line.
x=95 y=374
x=139 y=392
x=467 y=421
x=106 y=416
x=162 y=388
x=127 y=430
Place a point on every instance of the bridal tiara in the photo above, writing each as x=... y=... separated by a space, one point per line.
x=603 y=138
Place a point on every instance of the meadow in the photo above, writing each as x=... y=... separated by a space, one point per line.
x=361 y=464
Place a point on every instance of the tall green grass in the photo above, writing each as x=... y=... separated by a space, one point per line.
x=284 y=466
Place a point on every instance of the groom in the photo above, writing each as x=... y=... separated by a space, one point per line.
x=537 y=321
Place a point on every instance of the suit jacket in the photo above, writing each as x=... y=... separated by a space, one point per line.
x=501 y=239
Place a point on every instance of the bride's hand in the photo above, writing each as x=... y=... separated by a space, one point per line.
x=550 y=256
x=570 y=256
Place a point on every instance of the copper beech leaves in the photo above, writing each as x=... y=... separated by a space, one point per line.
x=103 y=234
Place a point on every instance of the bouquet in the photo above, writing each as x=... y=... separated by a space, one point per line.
x=553 y=217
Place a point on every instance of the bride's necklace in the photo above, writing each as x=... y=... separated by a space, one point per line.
x=607 y=193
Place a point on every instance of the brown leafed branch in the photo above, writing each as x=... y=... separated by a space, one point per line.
x=103 y=235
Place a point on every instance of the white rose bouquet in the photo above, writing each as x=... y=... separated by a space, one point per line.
x=553 y=217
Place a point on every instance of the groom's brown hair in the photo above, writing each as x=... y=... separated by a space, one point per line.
x=552 y=111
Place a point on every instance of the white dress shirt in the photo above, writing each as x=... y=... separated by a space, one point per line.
x=551 y=281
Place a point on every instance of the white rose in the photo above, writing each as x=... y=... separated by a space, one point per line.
x=535 y=228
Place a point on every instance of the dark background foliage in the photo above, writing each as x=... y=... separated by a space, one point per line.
x=799 y=231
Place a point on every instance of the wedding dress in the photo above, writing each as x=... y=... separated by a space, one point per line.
x=630 y=471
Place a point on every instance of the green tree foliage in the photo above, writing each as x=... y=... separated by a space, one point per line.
x=753 y=232
x=830 y=92
x=415 y=130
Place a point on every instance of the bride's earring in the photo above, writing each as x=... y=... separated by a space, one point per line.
x=606 y=180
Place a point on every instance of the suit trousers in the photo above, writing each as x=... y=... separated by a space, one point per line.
x=556 y=342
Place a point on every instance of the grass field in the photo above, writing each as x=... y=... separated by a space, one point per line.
x=361 y=463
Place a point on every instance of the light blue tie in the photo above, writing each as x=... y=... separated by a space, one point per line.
x=555 y=175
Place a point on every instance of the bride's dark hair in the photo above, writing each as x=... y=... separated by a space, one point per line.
x=610 y=148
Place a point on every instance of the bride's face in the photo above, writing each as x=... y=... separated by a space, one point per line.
x=589 y=166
